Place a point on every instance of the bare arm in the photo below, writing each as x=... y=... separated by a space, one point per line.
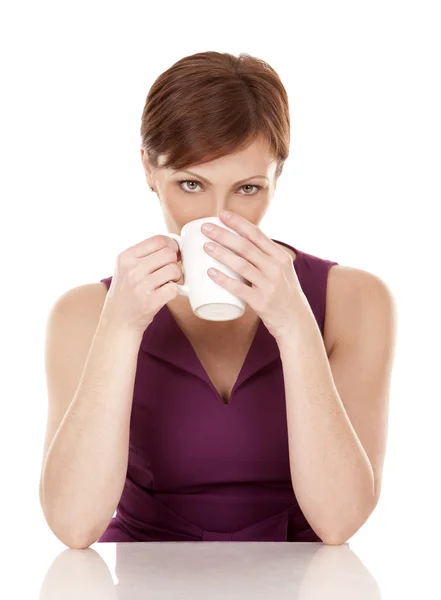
x=86 y=457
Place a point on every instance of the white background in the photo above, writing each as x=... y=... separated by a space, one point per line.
x=361 y=186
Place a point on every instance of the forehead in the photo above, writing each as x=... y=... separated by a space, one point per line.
x=256 y=155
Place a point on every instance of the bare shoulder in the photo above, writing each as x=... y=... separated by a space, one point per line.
x=73 y=319
x=350 y=292
x=70 y=328
x=87 y=298
x=71 y=324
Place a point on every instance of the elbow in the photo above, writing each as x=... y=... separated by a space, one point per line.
x=341 y=536
x=77 y=541
x=336 y=540
x=337 y=537
x=79 y=544
x=81 y=540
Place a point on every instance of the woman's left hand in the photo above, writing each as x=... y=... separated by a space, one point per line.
x=275 y=293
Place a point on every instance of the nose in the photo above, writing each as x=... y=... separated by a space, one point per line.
x=215 y=212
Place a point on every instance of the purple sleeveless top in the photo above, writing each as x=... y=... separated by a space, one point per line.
x=200 y=469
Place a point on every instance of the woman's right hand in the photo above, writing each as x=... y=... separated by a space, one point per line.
x=144 y=280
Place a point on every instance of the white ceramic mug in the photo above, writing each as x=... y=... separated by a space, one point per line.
x=208 y=299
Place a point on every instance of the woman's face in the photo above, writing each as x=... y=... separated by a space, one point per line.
x=214 y=185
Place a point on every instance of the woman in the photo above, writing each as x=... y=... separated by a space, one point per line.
x=270 y=427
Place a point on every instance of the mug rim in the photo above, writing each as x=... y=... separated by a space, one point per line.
x=205 y=219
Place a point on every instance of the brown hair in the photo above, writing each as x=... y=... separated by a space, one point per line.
x=210 y=104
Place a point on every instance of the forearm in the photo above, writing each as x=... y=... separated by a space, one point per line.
x=85 y=468
x=331 y=473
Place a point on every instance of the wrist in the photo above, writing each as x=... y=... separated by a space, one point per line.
x=113 y=324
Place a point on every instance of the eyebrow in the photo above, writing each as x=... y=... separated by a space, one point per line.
x=209 y=182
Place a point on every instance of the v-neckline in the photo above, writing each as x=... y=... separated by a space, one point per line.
x=208 y=378
x=165 y=339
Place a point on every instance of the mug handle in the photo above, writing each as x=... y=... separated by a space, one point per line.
x=182 y=289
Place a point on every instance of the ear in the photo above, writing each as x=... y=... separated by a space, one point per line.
x=147 y=167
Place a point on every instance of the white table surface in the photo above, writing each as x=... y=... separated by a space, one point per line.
x=298 y=571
